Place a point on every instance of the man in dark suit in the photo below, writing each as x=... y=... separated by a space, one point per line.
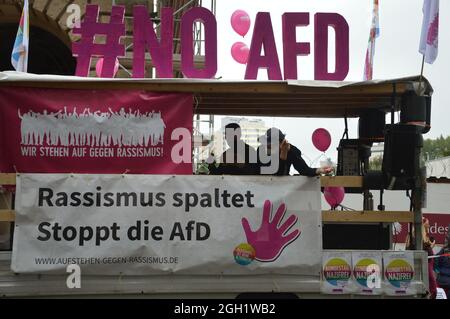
x=289 y=155
x=239 y=159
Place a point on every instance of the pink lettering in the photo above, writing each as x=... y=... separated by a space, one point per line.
x=145 y=37
x=321 y=23
x=187 y=43
x=263 y=38
x=291 y=48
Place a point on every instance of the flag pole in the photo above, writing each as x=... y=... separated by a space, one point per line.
x=421 y=73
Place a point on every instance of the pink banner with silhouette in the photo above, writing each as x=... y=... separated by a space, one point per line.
x=95 y=131
x=439 y=223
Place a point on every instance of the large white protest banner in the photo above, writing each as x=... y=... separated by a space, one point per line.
x=155 y=224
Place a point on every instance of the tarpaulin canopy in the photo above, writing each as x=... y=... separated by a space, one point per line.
x=253 y=98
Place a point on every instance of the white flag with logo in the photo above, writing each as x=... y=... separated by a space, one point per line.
x=430 y=30
x=19 y=55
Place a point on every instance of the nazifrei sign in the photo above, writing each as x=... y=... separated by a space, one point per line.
x=263 y=54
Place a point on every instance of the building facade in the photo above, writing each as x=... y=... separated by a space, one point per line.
x=251 y=129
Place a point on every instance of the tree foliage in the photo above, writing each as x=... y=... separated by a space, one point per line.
x=376 y=163
x=432 y=149
x=436 y=148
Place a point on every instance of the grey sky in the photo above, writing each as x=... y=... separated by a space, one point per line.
x=396 y=54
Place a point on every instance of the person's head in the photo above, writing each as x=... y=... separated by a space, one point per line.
x=232 y=133
x=426 y=232
x=272 y=139
x=426 y=224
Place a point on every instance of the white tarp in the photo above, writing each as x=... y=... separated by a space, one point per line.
x=187 y=224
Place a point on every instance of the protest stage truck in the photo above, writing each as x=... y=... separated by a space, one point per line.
x=120 y=207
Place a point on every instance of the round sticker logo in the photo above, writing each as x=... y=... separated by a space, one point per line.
x=399 y=273
x=244 y=254
x=337 y=272
x=360 y=270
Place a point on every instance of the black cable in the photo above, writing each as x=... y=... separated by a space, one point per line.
x=345 y=135
x=393 y=101
x=346 y=208
x=412 y=243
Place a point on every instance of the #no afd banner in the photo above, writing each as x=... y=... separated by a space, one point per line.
x=91 y=131
x=141 y=224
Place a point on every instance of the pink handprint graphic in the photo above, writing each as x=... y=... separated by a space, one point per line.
x=270 y=239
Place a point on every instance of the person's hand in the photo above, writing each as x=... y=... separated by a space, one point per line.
x=284 y=149
x=324 y=170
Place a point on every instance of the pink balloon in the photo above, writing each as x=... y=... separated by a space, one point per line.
x=240 y=21
x=321 y=139
x=334 y=195
x=99 y=67
x=239 y=52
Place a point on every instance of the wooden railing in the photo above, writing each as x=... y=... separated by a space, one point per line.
x=7 y=179
x=8 y=215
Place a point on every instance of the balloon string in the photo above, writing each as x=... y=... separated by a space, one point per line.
x=319 y=157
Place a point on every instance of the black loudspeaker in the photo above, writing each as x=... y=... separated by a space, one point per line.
x=402 y=153
x=416 y=110
x=428 y=118
x=351 y=156
x=371 y=124
x=349 y=162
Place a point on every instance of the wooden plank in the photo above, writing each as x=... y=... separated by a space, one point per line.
x=7 y=215
x=213 y=86
x=249 y=95
x=313 y=94
x=343 y=181
x=291 y=104
x=332 y=113
x=127 y=61
x=7 y=179
x=367 y=216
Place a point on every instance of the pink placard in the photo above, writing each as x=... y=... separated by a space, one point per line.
x=187 y=43
x=292 y=48
x=85 y=48
x=321 y=23
x=161 y=50
x=263 y=38
x=92 y=131
x=144 y=37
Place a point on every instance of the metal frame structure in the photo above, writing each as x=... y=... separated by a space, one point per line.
x=217 y=97
x=269 y=98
